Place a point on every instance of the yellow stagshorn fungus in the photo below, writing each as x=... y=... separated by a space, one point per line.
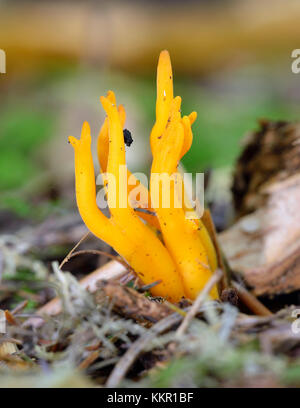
x=185 y=258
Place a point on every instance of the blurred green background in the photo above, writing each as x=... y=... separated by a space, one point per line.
x=231 y=62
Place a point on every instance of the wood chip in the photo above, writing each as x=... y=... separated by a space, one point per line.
x=130 y=303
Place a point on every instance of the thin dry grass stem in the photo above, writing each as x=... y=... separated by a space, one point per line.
x=135 y=283
x=98 y=252
x=121 y=368
x=198 y=302
x=89 y=360
x=19 y=307
x=145 y=288
x=175 y=308
x=66 y=259
x=251 y=301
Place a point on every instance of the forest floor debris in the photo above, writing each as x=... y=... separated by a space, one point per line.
x=119 y=336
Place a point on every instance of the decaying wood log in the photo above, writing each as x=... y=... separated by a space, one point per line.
x=264 y=244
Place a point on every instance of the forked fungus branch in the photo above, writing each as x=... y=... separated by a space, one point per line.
x=184 y=259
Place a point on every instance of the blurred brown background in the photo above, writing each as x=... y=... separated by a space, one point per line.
x=231 y=61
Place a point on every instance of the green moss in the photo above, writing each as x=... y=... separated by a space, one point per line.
x=22 y=133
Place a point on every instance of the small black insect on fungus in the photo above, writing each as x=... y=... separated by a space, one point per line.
x=127 y=137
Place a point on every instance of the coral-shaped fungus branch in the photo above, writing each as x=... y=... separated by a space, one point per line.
x=184 y=258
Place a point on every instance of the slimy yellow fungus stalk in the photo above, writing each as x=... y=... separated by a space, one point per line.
x=160 y=243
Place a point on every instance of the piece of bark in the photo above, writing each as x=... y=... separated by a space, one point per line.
x=131 y=303
x=7 y=348
x=271 y=154
x=264 y=244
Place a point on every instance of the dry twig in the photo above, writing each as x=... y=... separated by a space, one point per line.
x=124 y=364
x=98 y=252
x=67 y=258
x=251 y=301
x=198 y=302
